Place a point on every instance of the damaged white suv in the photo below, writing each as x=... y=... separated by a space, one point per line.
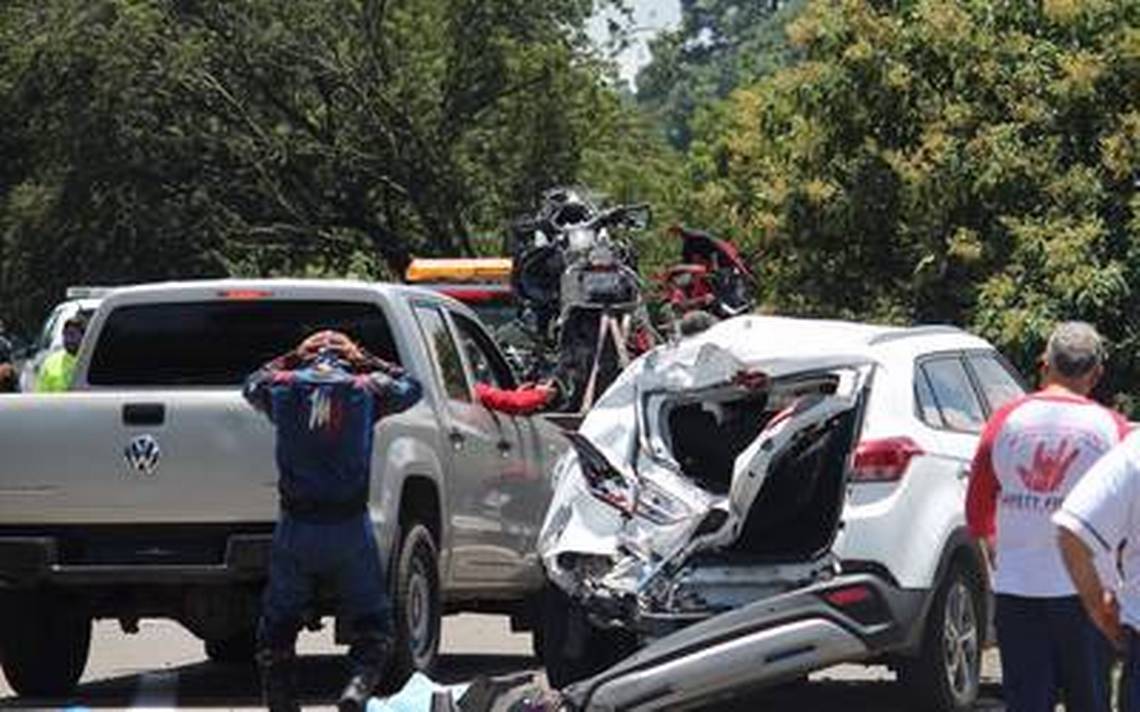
x=809 y=477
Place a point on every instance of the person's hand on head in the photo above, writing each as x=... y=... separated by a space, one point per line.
x=328 y=340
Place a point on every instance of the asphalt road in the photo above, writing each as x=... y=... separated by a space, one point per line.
x=164 y=667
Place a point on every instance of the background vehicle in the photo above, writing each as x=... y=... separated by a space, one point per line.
x=80 y=300
x=483 y=283
x=902 y=553
x=151 y=492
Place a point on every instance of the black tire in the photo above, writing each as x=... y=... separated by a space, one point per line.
x=538 y=642
x=946 y=675
x=237 y=649
x=44 y=645
x=573 y=648
x=417 y=606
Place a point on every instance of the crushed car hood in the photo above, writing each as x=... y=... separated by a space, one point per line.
x=634 y=498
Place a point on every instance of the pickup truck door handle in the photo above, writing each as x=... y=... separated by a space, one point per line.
x=504 y=447
x=144 y=414
x=457 y=439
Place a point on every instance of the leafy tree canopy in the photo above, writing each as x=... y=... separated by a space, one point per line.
x=719 y=45
x=151 y=139
x=971 y=162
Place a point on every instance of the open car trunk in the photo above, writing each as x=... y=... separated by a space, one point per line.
x=795 y=511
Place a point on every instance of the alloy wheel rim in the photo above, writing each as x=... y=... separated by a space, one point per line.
x=960 y=642
x=418 y=611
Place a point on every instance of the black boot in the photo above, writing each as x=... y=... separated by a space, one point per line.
x=277 y=685
x=358 y=690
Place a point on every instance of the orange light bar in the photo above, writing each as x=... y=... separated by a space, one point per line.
x=476 y=269
x=244 y=294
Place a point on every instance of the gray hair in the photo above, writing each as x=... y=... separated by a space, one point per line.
x=1074 y=349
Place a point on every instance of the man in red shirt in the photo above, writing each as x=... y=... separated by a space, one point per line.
x=1031 y=454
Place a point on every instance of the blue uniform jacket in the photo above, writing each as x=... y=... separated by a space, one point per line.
x=324 y=419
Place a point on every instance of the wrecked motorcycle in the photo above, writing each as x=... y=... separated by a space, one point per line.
x=577 y=280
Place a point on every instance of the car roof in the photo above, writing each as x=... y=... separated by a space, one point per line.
x=763 y=336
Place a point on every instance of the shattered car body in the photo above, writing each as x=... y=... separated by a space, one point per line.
x=711 y=475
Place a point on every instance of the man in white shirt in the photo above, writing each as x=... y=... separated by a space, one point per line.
x=1101 y=517
x=1032 y=452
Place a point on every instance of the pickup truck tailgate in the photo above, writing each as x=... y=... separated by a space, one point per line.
x=155 y=456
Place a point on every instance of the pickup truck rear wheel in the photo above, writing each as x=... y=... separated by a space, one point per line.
x=418 y=610
x=44 y=645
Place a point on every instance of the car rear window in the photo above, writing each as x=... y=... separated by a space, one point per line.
x=219 y=343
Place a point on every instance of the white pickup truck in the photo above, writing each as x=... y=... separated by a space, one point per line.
x=150 y=491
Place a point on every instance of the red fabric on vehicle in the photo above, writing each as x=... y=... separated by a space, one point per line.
x=517 y=401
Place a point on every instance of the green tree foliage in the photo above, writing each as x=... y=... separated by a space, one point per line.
x=719 y=45
x=972 y=162
x=151 y=139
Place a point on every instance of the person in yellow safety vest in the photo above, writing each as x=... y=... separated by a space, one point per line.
x=57 y=370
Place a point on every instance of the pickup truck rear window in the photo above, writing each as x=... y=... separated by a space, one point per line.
x=220 y=343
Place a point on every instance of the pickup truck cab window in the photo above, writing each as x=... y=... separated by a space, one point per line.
x=487 y=365
x=447 y=359
x=219 y=343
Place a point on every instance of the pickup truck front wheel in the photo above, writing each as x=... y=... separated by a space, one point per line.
x=43 y=645
x=418 y=611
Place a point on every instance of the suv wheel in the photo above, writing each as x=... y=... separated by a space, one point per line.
x=572 y=648
x=44 y=644
x=417 y=605
x=947 y=674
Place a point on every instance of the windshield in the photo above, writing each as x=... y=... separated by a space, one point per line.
x=219 y=343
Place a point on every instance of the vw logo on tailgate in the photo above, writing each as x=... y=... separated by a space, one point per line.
x=143 y=454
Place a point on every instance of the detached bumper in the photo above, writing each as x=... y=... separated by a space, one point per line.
x=846 y=619
x=133 y=555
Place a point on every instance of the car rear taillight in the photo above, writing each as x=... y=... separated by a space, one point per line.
x=884 y=459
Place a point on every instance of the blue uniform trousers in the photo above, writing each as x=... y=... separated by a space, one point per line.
x=342 y=556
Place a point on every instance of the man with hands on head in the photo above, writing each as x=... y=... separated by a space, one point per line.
x=324 y=398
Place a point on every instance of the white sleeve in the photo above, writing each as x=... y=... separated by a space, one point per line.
x=1099 y=508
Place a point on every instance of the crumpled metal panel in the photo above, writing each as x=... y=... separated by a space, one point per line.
x=596 y=552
